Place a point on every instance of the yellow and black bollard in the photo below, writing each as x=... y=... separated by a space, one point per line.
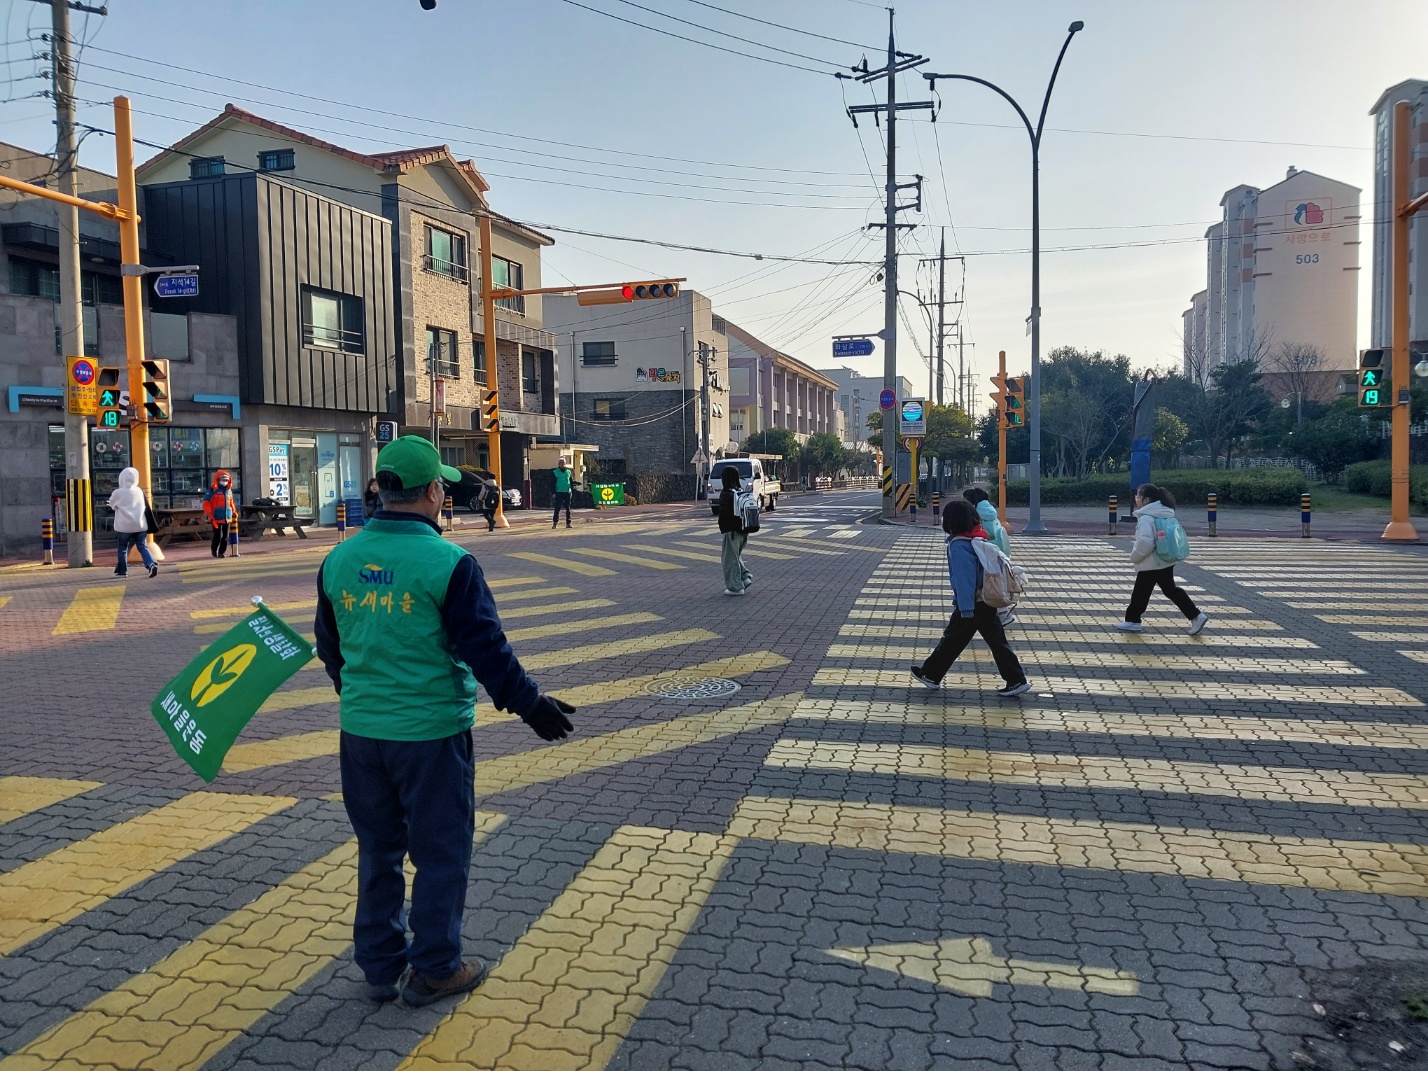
x=1212 y=509
x=1112 y=510
x=233 y=536
x=936 y=505
x=448 y=511
x=341 y=521
x=47 y=540
x=1305 y=509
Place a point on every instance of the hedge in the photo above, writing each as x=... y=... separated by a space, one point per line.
x=1191 y=487
x=1376 y=478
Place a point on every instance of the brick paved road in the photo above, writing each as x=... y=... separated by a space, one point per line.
x=1137 y=865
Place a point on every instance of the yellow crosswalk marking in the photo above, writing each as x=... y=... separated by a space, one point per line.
x=1372 y=619
x=179 y=1013
x=294 y=698
x=1243 y=663
x=1167 y=689
x=1417 y=656
x=248 y=608
x=573 y=656
x=1282 y=784
x=20 y=796
x=802 y=545
x=613 y=691
x=589 y=624
x=564 y=997
x=519 y=612
x=688 y=555
x=222 y=575
x=39 y=896
x=629 y=559
x=583 y=568
x=285 y=749
x=797 y=547
x=748 y=551
x=1111 y=637
x=1021 y=839
x=91 y=610
x=1154 y=618
x=1392 y=637
x=4 y=601
x=513 y=581
x=537 y=593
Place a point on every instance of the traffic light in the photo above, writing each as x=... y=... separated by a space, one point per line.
x=157 y=406
x=999 y=395
x=1015 y=401
x=490 y=412
x=111 y=411
x=618 y=295
x=1373 y=378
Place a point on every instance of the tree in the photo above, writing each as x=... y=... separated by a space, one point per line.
x=773 y=441
x=950 y=439
x=1168 y=436
x=822 y=454
x=1086 y=408
x=1339 y=438
x=1220 y=402
x=1295 y=363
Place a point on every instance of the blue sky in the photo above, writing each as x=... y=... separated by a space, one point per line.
x=582 y=121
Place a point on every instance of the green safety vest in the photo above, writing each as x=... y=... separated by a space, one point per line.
x=400 y=677
x=562 y=480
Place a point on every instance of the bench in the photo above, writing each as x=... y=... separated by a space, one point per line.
x=253 y=521
x=181 y=522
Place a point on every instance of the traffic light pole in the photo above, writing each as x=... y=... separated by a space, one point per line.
x=493 y=369
x=1001 y=382
x=1400 y=528
x=133 y=284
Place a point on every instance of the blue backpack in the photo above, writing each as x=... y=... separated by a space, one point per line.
x=1171 y=543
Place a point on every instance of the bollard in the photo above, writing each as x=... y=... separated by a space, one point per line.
x=233 y=536
x=936 y=505
x=449 y=512
x=912 y=507
x=1304 y=511
x=341 y=521
x=1212 y=508
x=47 y=540
x=1114 y=505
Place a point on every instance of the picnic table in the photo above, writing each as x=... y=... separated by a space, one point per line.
x=181 y=522
x=254 y=520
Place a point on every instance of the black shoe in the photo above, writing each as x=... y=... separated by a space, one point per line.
x=422 y=990
x=1008 y=690
x=153 y=571
x=384 y=993
x=923 y=679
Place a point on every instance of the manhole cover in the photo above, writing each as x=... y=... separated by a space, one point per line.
x=693 y=688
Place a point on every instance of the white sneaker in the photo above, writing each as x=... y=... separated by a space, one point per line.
x=1196 y=626
x=1014 y=689
x=731 y=591
x=1128 y=626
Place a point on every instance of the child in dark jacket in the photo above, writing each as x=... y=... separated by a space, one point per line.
x=972 y=616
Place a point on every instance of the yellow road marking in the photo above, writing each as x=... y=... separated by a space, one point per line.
x=538 y=593
x=294 y=698
x=220 y=576
x=1116 y=660
x=799 y=548
x=1392 y=637
x=1281 y=784
x=1156 y=618
x=629 y=559
x=1372 y=619
x=628 y=687
x=1111 y=637
x=179 y=1013
x=558 y=608
x=40 y=896
x=571 y=656
x=20 y=796
x=582 y=568
x=91 y=610
x=688 y=555
x=1174 y=690
x=1021 y=839
x=245 y=610
x=514 y=581
x=565 y=996
x=1417 y=656
x=747 y=550
x=4 y=601
x=285 y=749
x=589 y=624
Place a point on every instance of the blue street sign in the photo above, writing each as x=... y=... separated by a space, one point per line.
x=887 y=399
x=177 y=285
x=852 y=347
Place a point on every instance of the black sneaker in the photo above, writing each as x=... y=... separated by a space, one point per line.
x=421 y=990
x=1009 y=690
x=119 y=574
x=383 y=993
x=153 y=571
x=923 y=679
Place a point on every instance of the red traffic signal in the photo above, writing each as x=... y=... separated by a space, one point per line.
x=618 y=295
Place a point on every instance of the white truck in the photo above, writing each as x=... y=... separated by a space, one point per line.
x=752 y=478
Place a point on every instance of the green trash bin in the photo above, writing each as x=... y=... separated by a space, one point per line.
x=607 y=494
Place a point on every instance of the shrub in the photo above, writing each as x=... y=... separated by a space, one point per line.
x=1376 y=478
x=1191 y=487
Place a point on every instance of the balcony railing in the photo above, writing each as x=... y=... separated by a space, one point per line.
x=448 y=268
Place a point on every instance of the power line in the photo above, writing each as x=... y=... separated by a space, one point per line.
x=780 y=26
x=721 y=33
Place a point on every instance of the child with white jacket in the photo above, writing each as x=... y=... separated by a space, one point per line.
x=130 y=525
x=1154 y=504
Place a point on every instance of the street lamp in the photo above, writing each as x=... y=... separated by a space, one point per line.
x=1033 y=524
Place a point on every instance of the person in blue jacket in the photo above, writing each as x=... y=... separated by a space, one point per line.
x=972 y=616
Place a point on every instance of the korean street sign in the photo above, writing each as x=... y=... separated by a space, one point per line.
x=912 y=417
x=80 y=388
x=852 y=347
x=177 y=285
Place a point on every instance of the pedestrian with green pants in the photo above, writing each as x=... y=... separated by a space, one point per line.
x=406 y=628
x=737 y=578
x=562 y=493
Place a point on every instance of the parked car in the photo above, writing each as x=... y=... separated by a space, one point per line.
x=751 y=478
x=466 y=494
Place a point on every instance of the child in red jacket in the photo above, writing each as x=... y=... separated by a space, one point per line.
x=218 y=505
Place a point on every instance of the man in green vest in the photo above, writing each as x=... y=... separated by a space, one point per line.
x=406 y=627
x=562 y=493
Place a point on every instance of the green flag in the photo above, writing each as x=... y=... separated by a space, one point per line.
x=206 y=706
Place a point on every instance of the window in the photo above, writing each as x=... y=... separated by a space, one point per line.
x=609 y=409
x=529 y=384
x=478 y=348
x=507 y=273
x=276 y=160
x=332 y=321
x=441 y=352
x=445 y=253
x=34 y=279
x=205 y=167
x=597 y=353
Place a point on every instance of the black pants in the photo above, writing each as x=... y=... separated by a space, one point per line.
x=959 y=633
x=1145 y=583
x=562 y=502
x=490 y=515
x=220 y=539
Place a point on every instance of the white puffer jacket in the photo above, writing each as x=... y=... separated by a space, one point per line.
x=1142 y=553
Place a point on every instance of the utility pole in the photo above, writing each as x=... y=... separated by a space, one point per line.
x=897 y=62
x=705 y=354
x=79 y=544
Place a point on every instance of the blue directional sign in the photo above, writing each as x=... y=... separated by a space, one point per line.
x=178 y=285
x=852 y=347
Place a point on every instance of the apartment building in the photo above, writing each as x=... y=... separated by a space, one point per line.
x=1415 y=93
x=857 y=399
x=772 y=389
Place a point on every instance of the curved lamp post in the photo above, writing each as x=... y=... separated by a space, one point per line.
x=1033 y=524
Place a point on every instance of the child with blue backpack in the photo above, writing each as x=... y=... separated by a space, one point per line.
x=1160 y=542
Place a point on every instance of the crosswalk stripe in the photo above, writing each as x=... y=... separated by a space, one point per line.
x=297 y=747
x=20 y=796
x=629 y=559
x=179 y=1013
x=1417 y=656
x=1277 y=784
x=565 y=996
x=905 y=655
x=688 y=555
x=583 y=568
x=1112 y=637
x=1247 y=728
x=220 y=576
x=1040 y=603
x=748 y=551
x=799 y=548
x=536 y=593
x=248 y=608
x=520 y=612
x=295 y=698
x=1167 y=689
x=573 y=656
x=1392 y=637
x=42 y=895
x=91 y=610
x=4 y=601
x=512 y=582
x=589 y=624
x=628 y=687
x=1372 y=619
x=1155 y=616
x=1023 y=839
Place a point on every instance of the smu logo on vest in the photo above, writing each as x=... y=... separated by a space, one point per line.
x=221 y=674
x=374 y=574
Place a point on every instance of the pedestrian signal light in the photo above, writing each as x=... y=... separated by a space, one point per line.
x=157 y=406
x=111 y=410
x=1373 y=390
x=1015 y=401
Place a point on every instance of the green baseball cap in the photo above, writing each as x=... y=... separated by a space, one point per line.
x=415 y=462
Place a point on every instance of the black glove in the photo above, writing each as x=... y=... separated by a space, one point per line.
x=548 y=718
